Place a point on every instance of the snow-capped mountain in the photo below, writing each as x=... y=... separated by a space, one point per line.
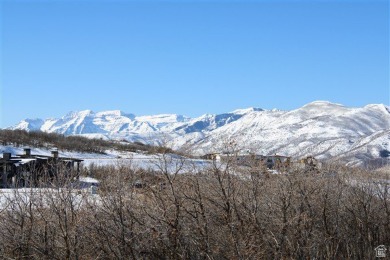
x=320 y=128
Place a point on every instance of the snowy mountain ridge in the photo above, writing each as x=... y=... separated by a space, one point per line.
x=320 y=128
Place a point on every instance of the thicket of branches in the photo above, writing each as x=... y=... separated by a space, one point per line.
x=218 y=212
x=70 y=143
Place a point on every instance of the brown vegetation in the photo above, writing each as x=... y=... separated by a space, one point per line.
x=219 y=212
x=71 y=143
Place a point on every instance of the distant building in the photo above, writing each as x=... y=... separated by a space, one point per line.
x=308 y=163
x=211 y=156
x=28 y=170
x=270 y=161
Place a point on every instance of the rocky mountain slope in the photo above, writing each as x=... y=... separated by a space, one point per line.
x=320 y=128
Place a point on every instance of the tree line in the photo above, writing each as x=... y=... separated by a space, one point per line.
x=71 y=143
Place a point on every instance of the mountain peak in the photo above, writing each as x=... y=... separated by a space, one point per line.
x=320 y=128
x=115 y=113
x=29 y=124
x=247 y=110
x=320 y=108
x=322 y=103
x=82 y=113
x=381 y=107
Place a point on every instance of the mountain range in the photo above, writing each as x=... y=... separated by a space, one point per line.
x=322 y=129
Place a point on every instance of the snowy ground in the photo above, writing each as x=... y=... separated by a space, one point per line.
x=16 y=199
x=116 y=158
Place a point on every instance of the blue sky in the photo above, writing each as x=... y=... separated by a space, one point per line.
x=189 y=57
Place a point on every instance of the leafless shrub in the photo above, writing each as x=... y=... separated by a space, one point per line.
x=225 y=211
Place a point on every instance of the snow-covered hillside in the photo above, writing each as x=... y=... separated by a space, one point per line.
x=320 y=128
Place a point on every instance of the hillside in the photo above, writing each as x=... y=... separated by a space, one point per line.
x=47 y=141
x=323 y=129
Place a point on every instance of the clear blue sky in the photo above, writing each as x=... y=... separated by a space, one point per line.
x=190 y=57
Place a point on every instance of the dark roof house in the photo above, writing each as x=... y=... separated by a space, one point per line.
x=31 y=170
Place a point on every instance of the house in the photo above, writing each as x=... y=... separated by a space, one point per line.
x=276 y=161
x=309 y=164
x=251 y=159
x=227 y=157
x=211 y=156
x=8 y=168
x=28 y=170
